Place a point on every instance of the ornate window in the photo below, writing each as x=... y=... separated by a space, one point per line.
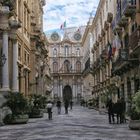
x=66 y=66
x=78 y=66
x=55 y=52
x=66 y=50
x=55 y=67
x=78 y=52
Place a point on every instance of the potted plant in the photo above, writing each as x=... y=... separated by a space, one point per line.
x=18 y=105
x=134 y=122
x=37 y=105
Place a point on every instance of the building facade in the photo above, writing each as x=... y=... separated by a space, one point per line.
x=115 y=39
x=21 y=26
x=126 y=62
x=66 y=64
x=23 y=49
x=87 y=44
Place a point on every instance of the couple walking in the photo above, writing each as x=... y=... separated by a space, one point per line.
x=117 y=108
x=66 y=106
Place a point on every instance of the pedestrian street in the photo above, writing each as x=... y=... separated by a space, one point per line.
x=79 y=124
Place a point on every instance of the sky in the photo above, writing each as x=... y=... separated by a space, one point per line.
x=75 y=12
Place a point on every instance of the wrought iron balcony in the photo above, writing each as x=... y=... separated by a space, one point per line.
x=113 y=24
x=134 y=40
x=128 y=7
x=118 y=16
x=123 y=63
x=123 y=21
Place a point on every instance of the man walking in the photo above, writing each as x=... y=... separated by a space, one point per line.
x=49 y=110
x=109 y=107
x=58 y=104
x=71 y=104
x=66 y=105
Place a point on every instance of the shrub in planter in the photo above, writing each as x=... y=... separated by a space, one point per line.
x=18 y=104
x=135 y=112
x=37 y=104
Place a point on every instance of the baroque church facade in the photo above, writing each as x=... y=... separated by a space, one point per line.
x=66 y=56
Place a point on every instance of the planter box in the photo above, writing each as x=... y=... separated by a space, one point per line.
x=36 y=113
x=134 y=124
x=16 y=119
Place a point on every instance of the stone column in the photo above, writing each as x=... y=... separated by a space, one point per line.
x=15 y=80
x=4 y=26
x=91 y=45
x=5 y=68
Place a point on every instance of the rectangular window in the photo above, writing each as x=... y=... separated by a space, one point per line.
x=28 y=59
x=19 y=51
x=19 y=11
x=25 y=59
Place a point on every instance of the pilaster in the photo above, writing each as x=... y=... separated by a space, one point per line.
x=15 y=79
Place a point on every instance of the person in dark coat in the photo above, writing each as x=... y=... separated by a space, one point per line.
x=109 y=107
x=66 y=105
x=117 y=111
x=58 y=104
x=122 y=110
x=71 y=104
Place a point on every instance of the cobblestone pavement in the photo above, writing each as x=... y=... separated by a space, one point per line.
x=80 y=124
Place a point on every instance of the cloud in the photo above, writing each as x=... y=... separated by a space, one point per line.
x=75 y=12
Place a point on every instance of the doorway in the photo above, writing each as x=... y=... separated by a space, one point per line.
x=67 y=93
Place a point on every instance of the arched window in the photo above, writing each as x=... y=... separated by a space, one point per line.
x=55 y=67
x=66 y=50
x=66 y=66
x=55 y=52
x=78 y=52
x=78 y=66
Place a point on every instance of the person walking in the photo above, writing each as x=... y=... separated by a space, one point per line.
x=71 y=104
x=122 y=110
x=58 y=104
x=109 y=107
x=49 y=110
x=117 y=110
x=66 y=105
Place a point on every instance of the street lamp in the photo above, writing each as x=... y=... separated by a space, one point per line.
x=2 y=60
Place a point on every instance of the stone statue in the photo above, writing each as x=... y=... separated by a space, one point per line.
x=9 y=3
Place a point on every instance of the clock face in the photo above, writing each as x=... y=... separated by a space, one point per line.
x=77 y=36
x=55 y=36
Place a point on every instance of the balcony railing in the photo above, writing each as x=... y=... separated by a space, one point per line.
x=128 y=7
x=134 y=39
x=67 y=72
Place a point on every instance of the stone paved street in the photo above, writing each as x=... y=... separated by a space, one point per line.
x=80 y=124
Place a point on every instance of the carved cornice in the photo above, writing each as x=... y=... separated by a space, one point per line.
x=103 y=32
x=99 y=38
x=106 y=25
x=14 y=24
x=109 y=17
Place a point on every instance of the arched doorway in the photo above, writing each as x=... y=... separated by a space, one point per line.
x=67 y=93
